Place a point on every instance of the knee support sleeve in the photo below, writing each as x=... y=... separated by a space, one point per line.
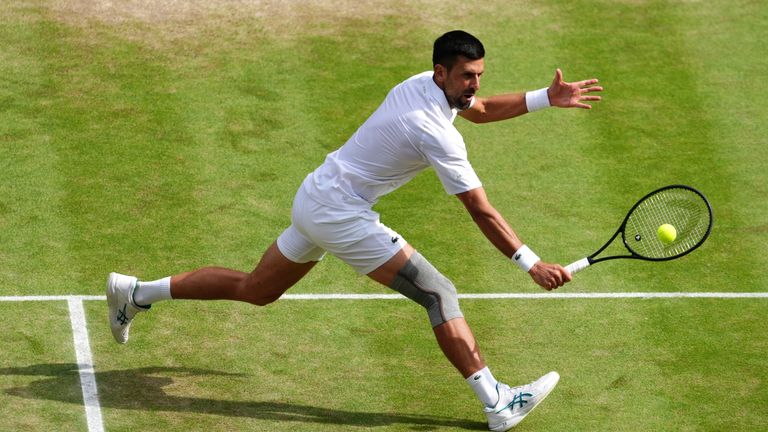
x=421 y=282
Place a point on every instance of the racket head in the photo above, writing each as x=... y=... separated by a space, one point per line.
x=683 y=207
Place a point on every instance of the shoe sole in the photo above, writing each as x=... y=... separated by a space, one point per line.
x=112 y=305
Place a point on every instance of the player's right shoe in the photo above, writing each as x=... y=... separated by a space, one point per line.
x=516 y=403
x=122 y=309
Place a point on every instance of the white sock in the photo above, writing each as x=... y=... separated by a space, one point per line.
x=484 y=385
x=147 y=293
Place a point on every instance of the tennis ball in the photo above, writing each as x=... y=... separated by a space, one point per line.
x=666 y=233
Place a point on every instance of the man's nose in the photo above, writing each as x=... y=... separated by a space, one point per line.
x=475 y=83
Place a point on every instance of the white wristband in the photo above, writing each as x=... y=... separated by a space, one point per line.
x=537 y=99
x=525 y=258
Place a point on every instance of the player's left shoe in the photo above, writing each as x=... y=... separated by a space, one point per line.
x=516 y=403
x=122 y=309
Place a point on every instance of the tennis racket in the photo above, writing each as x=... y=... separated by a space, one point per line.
x=683 y=207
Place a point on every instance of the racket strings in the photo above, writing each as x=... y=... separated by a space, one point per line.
x=682 y=208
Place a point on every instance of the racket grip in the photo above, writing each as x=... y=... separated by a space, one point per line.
x=578 y=265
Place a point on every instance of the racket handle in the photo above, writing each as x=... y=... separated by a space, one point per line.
x=578 y=265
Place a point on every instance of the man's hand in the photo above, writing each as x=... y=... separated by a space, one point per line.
x=571 y=95
x=549 y=276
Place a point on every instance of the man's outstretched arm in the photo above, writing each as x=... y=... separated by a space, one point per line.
x=560 y=94
x=498 y=231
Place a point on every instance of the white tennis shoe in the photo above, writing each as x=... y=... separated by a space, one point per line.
x=122 y=309
x=516 y=403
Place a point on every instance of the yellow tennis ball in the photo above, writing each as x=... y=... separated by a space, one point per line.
x=666 y=233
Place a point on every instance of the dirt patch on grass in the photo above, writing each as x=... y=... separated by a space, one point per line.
x=169 y=11
x=168 y=20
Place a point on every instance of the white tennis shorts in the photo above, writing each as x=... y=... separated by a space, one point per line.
x=356 y=236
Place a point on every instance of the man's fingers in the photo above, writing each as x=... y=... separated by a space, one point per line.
x=553 y=276
x=582 y=105
x=567 y=277
x=592 y=89
x=559 y=278
x=592 y=98
x=588 y=82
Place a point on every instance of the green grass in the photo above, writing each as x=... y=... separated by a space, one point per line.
x=156 y=143
x=626 y=365
x=35 y=344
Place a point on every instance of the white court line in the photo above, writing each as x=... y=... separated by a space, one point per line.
x=538 y=296
x=532 y=296
x=85 y=365
x=619 y=295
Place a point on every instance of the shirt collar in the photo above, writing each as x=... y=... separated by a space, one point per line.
x=433 y=91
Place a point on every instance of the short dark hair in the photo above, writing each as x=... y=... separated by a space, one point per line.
x=453 y=44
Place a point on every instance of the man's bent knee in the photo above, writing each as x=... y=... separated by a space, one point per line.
x=273 y=276
x=421 y=282
x=263 y=301
x=255 y=294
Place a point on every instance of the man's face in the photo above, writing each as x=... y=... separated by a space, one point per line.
x=461 y=82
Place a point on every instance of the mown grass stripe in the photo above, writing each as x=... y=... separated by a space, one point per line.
x=33 y=229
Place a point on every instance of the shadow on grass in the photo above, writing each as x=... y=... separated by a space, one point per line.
x=142 y=389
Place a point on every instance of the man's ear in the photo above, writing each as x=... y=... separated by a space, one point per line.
x=441 y=75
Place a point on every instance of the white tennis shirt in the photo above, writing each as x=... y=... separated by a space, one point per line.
x=411 y=131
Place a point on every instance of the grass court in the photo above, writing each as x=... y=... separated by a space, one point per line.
x=152 y=138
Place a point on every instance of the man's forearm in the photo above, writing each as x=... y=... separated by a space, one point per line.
x=496 y=108
x=491 y=223
x=497 y=231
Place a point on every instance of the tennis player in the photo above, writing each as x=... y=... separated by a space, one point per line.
x=332 y=212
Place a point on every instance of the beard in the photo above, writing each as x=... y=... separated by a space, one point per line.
x=460 y=102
